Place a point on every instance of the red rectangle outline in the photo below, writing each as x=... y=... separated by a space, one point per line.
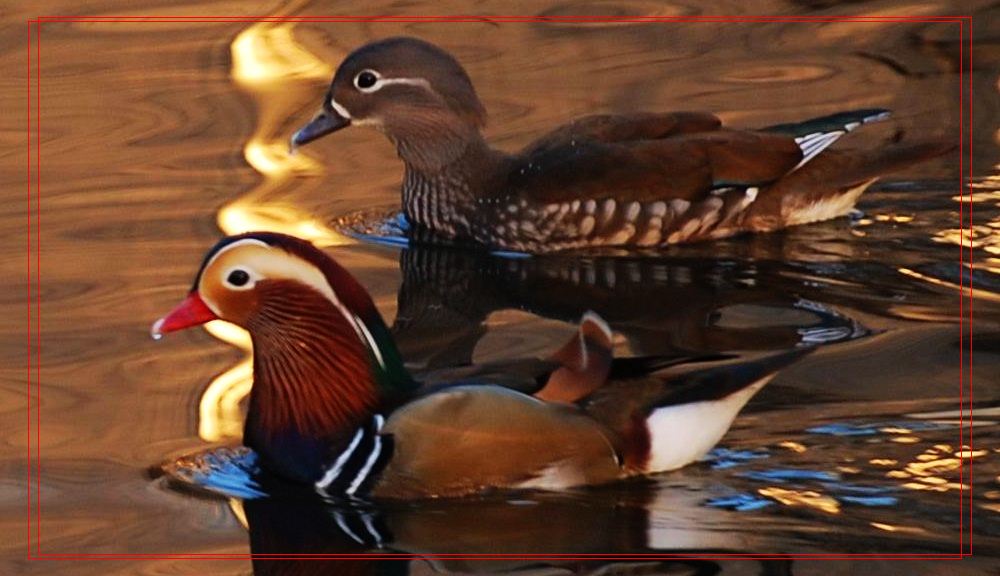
x=963 y=62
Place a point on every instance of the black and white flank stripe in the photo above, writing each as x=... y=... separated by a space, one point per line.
x=353 y=470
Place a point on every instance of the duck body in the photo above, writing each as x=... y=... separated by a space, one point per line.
x=641 y=179
x=333 y=408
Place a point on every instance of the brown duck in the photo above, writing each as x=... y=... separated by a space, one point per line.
x=333 y=407
x=640 y=179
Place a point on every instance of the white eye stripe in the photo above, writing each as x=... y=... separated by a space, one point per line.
x=381 y=82
x=238 y=243
x=406 y=81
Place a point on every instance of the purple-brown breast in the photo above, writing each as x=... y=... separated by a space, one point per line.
x=312 y=373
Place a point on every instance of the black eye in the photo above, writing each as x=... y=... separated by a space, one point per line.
x=238 y=277
x=366 y=79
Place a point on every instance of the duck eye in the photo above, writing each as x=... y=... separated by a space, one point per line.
x=365 y=79
x=238 y=277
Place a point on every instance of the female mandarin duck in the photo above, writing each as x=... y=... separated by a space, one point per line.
x=642 y=179
x=333 y=406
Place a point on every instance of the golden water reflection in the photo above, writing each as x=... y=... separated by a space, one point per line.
x=267 y=53
x=265 y=57
x=900 y=529
x=219 y=415
x=929 y=470
x=808 y=498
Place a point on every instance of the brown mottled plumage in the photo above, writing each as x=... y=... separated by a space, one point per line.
x=639 y=179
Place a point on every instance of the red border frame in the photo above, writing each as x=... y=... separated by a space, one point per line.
x=965 y=59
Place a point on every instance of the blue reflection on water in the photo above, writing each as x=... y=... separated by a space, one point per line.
x=872 y=428
x=722 y=458
x=742 y=502
x=782 y=475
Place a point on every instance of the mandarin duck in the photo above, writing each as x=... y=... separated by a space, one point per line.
x=638 y=179
x=333 y=406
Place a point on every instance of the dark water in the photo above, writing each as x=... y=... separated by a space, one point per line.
x=156 y=138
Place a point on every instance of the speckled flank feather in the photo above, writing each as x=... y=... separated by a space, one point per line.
x=451 y=203
x=448 y=204
x=532 y=227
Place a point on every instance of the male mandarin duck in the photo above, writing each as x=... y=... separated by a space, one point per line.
x=640 y=179
x=333 y=406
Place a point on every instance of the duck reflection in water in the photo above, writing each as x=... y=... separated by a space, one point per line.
x=621 y=520
x=660 y=305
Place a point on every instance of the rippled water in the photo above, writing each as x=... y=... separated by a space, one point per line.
x=156 y=138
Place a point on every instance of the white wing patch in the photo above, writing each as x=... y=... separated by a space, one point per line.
x=812 y=144
x=682 y=433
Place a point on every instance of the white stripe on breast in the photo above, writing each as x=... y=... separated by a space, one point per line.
x=338 y=465
x=372 y=458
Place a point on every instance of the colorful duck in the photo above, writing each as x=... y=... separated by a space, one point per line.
x=333 y=406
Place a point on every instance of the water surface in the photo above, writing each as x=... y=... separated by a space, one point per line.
x=157 y=138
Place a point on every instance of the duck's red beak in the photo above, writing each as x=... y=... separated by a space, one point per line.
x=191 y=312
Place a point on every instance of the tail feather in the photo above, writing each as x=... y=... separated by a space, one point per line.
x=841 y=121
x=691 y=419
x=832 y=184
x=855 y=167
x=719 y=382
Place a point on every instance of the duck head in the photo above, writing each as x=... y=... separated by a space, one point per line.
x=409 y=89
x=323 y=357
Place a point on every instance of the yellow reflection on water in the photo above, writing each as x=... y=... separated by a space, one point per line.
x=265 y=59
x=901 y=529
x=897 y=218
x=984 y=236
x=929 y=470
x=219 y=414
x=275 y=160
x=266 y=53
x=966 y=290
x=248 y=216
x=809 y=498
